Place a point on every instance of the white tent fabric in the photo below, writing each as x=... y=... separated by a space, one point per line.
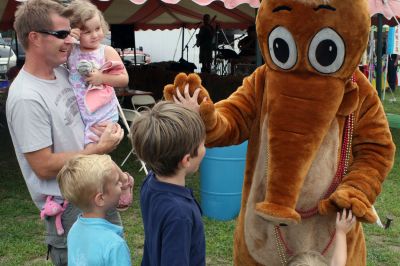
x=162 y=14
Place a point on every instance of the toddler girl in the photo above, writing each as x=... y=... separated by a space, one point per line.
x=96 y=98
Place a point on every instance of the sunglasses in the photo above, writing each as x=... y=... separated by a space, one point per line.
x=60 y=34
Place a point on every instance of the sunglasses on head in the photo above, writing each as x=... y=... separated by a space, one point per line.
x=60 y=34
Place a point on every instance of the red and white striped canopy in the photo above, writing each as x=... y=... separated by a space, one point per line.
x=162 y=14
x=388 y=8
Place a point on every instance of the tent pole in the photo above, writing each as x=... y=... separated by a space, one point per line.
x=183 y=41
x=379 y=56
x=134 y=45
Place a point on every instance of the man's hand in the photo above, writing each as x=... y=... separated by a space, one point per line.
x=109 y=136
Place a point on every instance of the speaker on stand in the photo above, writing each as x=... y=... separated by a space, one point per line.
x=122 y=36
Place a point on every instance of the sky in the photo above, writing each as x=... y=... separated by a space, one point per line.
x=167 y=45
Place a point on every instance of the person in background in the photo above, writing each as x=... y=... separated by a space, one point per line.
x=93 y=184
x=43 y=117
x=205 y=42
x=393 y=61
x=247 y=45
x=170 y=139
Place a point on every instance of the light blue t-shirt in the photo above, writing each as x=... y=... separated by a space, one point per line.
x=95 y=241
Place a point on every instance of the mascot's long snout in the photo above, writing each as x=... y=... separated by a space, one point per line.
x=300 y=112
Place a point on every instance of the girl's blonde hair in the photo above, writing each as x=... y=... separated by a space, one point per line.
x=83 y=177
x=80 y=11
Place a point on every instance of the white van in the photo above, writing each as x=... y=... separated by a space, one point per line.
x=8 y=59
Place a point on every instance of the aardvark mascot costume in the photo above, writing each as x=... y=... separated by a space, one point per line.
x=318 y=138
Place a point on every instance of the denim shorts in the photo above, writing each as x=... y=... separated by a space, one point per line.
x=57 y=245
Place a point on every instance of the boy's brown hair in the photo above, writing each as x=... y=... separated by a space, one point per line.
x=35 y=15
x=163 y=135
x=83 y=176
x=80 y=11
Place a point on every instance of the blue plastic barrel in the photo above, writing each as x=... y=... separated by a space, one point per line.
x=221 y=180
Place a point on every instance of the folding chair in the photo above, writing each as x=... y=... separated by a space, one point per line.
x=142 y=100
x=129 y=115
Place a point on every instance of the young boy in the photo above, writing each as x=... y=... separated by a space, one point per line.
x=170 y=140
x=92 y=183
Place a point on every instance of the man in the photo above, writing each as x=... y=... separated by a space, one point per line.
x=205 y=42
x=43 y=116
x=392 y=71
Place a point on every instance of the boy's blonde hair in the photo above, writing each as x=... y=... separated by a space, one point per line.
x=80 y=11
x=163 y=135
x=308 y=258
x=83 y=176
x=35 y=15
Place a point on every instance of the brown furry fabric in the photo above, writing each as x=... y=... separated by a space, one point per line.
x=294 y=119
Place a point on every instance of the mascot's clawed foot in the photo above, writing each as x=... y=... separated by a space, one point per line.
x=347 y=197
x=277 y=214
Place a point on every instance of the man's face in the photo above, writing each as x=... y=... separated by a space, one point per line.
x=52 y=49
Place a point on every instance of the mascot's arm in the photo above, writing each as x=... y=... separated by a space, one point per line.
x=229 y=121
x=373 y=156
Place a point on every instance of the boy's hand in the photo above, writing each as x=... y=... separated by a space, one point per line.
x=345 y=222
x=187 y=90
x=95 y=77
x=187 y=100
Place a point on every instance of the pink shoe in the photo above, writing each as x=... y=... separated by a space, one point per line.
x=126 y=198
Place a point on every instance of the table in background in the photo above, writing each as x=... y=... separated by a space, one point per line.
x=124 y=96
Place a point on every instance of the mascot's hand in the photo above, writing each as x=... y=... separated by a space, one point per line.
x=186 y=89
x=347 y=197
x=191 y=82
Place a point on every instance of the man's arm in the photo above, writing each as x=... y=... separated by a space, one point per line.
x=46 y=164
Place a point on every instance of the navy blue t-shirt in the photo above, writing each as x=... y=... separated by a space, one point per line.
x=173 y=228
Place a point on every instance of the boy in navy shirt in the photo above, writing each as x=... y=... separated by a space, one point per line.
x=170 y=140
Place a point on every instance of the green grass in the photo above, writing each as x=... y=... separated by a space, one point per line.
x=22 y=232
x=391 y=103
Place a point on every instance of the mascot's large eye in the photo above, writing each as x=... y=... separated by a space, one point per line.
x=326 y=52
x=282 y=48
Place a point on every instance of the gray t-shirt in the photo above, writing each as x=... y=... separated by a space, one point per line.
x=43 y=113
